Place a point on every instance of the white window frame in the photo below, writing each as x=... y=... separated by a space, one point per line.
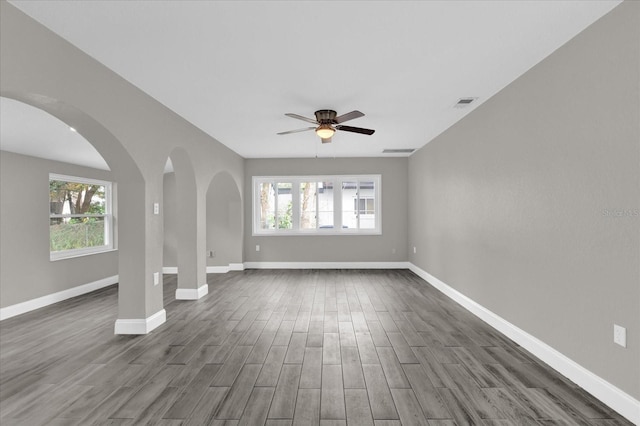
x=337 y=229
x=108 y=219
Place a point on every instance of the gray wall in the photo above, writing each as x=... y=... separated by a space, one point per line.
x=334 y=248
x=224 y=221
x=133 y=132
x=507 y=206
x=25 y=269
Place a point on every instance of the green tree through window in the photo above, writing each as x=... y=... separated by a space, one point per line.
x=79 y=216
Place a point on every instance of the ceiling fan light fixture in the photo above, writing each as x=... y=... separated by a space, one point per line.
x=325 y=131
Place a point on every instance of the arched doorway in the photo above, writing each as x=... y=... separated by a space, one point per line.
x=139 y=307
x=183 y=245
x=224 y=224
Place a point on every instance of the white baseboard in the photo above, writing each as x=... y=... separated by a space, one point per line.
x=236 y=266
x=140 y=326
x=326 y=265
x=210 y=269
x=49 y=299
x=192 y=293
x=610 y=395
x=217 y=269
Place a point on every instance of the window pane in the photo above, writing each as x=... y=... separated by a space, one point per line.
x=308 y=200
x=367 y=205
x=76 y=233
x=370 y=207
x=76 y=198
x=349 y=205
x=325 y=205
x=315 y=200
x=267 y=206
x=285 y=206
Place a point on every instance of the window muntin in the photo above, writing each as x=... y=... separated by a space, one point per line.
x=80 y=217
x=316 y=205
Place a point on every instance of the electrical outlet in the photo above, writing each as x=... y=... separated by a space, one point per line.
x=257 y=247
x=415 y=250
x=156 y=208
x=620 y=335
x=156 y=278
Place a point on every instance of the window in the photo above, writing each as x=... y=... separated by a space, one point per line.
x=362 y=195
x=80 y=218
x=322 y=205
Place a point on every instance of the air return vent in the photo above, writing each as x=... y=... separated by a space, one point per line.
x=399 y=151
x=464 y=102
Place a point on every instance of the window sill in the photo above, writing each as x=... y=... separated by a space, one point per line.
x=317 y=234
x=71 y=255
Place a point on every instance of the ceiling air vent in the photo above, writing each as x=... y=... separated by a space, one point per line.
x=399 y=151
x=464 y=102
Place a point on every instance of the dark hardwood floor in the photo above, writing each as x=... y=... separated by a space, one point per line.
x=282 y=348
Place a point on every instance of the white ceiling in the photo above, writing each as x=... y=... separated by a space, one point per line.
x=31 y=131
x=233 y=68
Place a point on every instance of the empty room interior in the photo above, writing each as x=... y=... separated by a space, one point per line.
x=320 y=213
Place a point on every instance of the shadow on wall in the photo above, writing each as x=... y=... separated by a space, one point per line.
x=224 y=221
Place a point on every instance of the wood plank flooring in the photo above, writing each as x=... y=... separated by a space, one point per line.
x=273 y=347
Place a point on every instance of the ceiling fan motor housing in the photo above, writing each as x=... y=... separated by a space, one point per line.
x=326 y=116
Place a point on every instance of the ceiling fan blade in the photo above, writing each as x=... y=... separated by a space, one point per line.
x=326 y=140
x=299 y=117
x=348 y=116
x=296 y=131
x=356 y=130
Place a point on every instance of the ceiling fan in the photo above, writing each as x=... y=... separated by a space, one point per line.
x=328 y=122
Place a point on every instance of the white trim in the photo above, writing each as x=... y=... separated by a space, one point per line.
x=140 y=326
x=326 y=265
x=49 y=299
x=55 y=256
x=610 y=395
x=337 y=228
x=210 y=269
x=78 y=179
x=107 y=216
x=192 y=293
x=217 y=269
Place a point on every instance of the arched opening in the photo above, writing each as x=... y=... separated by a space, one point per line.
x=170 y=219
x=74 y=248
x=183 y=246
x=224 y=224
x=129 y=187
